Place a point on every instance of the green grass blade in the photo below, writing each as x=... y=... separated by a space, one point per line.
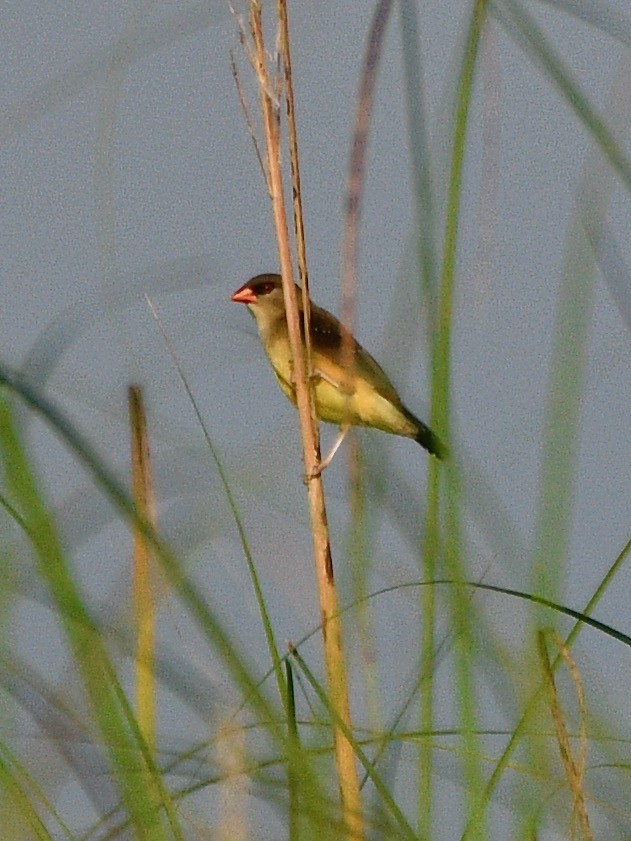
x=127 y=756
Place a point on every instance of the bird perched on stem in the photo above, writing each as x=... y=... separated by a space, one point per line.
x=360 y=396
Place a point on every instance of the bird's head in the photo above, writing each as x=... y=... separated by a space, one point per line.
x=263 y=290
x=263 y=296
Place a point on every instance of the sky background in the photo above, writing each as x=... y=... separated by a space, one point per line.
x=128 y=170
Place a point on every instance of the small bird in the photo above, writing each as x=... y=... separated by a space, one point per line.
x=362 y=397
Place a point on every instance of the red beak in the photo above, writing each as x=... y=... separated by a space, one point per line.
x=244 y=295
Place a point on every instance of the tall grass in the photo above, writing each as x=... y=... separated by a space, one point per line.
x=296 y=752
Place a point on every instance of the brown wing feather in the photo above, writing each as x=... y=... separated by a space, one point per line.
x=330 y=335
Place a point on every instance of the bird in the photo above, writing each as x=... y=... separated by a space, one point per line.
x=360 y=396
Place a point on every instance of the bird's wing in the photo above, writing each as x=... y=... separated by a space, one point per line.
x=328 y=337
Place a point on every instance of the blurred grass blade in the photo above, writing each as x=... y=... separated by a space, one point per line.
x=603 y=15
x=438 y=473
x=18 y=813
x=293 y=788
x=561 y=433
x=232 y=503
x=108 y=482
x=404 y=828
x=143 y=572
x=71 y=324
x=128 y=756
x=613 y=267
x=235 y=661
x=524 y=29
x=120 y=55
x=418 y=134
x=583 y=618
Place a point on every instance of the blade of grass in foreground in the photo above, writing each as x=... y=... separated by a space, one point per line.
x=143 y=572
x=142 y=794
x=234 y=660
x=18 y=812
x=573 y=324
x=232 y=503
x=440 y=412
x=390 y=803
x=531 y=705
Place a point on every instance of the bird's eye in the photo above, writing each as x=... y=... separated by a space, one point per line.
x=266 y=288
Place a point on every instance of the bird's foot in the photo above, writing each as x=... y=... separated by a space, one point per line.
x=324 y=463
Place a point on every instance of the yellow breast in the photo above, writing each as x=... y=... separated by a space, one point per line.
x=364 y=406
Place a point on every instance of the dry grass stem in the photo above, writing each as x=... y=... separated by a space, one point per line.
x=574 y=769
x=331 y=626
x=143 y=595
x=356 y=178
x=246 y=114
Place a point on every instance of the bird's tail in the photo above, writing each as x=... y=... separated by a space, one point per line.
x=432 y=443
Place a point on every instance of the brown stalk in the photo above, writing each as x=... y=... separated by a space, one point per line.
x=574 y=769
x=244 y=106
x=301 y=247
x=143 y=595
x=356 y=171
x=331 y=626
